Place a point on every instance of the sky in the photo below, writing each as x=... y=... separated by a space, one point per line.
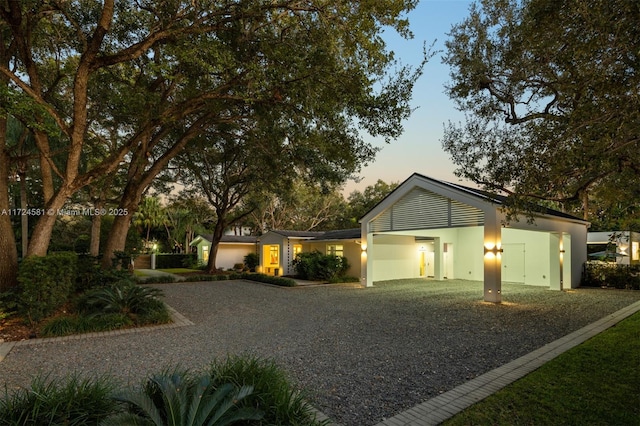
x=419 y=149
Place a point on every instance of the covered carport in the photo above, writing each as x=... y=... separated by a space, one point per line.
x=432 y=228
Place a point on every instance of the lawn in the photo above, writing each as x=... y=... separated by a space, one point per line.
x=596 y=383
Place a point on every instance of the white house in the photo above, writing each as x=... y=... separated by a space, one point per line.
x=427 y=227
x=278 y=249
x=621 y=246
x=231 y=250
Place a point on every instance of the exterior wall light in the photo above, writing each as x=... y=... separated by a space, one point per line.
x=493 y=250
x=363 y=246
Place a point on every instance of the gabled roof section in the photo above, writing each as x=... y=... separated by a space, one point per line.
x=462 y=195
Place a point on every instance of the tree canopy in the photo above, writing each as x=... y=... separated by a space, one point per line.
x=551 y=94
x=124 y=87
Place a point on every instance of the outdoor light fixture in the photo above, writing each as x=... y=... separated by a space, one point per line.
x=494 y=250
x=363 y=246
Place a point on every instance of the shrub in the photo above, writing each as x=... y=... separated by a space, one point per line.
x=160 y=279
x=182 y=398
x=70 y=401
x=77 y=324
x=598 y=274
x=273 y=392
x=91 y=275
x=175 y=260
x=132 y=300
x=45 y=284
x=317 y=266
x=284 y=282
x=252 y=261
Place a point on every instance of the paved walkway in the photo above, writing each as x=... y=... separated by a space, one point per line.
x=438 y=409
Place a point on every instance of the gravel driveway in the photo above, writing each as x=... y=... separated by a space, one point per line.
x=362 y=354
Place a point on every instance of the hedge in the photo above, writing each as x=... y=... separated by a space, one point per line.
x=175 y=260
x=45 y=284
x=611 y=275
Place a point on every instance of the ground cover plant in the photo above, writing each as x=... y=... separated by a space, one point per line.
x=597 y=382
x=63 y=293
x=237 y=391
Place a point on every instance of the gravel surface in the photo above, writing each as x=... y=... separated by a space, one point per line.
x=361 y=354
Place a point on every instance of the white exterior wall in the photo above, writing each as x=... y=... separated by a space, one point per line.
x=573 y=236
x=537 y=252
x=393 y=257
x=231 y=253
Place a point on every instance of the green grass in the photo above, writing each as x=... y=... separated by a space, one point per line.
x=596 y=383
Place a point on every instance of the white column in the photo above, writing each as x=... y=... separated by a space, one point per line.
x=366 y=249
x=438 y=259
x=492 y=258
x=555 y=264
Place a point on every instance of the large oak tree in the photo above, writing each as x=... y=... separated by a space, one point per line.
x=165 y=71
x=551 y=93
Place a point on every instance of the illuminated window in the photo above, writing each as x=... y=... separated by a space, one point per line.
x=205 y=254
x=635 y=251
x=297 y=249
x=335 y=250
x=274 y=252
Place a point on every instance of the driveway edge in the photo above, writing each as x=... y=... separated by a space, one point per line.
x=442 y=407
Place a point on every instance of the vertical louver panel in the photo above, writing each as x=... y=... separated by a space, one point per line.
x=422 y=209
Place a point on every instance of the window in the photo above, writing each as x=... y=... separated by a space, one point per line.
x=635 y=252
x=335 y=250
x=205 y=254
x=297 y=249
x=274 y=255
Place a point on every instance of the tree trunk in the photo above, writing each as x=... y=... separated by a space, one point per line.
x=96 y=224
x=41 y=235
x=218 y=231
x=117 y=239
x=8 y=248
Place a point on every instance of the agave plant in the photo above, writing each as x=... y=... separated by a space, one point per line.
x=180 y=399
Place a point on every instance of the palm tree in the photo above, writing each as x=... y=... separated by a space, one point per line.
x=149 y=215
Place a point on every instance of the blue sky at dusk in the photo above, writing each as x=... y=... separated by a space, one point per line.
x=419 y=149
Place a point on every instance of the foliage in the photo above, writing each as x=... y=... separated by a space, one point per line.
x=550 y=94
x=175 y=260
x=149 y=215
x=70 y=401
x=316 y=266
x=361 y=202
x=181 y=398
x=602 y=274
x=77 y=324
x=45 y=284
x=252 y=260
x=137 y=302
x=159 y=279
x=125 y=87
x=595 y=383
x=302 y=206
x=90 y=275
x=273 y=392
x=281 y=281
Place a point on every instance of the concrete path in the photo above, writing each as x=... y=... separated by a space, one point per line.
x=438 y=409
